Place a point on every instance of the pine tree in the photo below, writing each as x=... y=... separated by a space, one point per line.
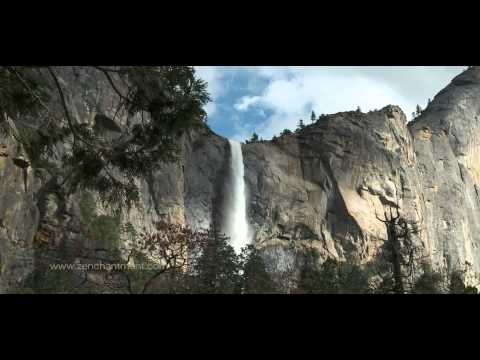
x=255 y=277
x=253 y=139
x=105 y=156
x=331 y=277
x=300 y=125
x=217 y=268
x=419 y=110
x=313 y=117
x=311 y=279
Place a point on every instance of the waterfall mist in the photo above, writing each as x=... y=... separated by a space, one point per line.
x=236 y=225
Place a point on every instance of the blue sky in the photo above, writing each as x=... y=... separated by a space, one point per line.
x=268 y=99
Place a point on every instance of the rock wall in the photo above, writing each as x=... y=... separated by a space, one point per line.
x=446 y=141
x=189 y=192
x=19 y=217
x=325 y=186
x=184 y=192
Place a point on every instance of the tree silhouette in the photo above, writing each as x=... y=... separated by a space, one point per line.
x=399 y=250
x=419 y=110
x=331 y=277
x=255 y=278
x=300 y=125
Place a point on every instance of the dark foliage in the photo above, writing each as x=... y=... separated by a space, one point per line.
x=253 y=139
x=331 y=277
x=430 y=282
x=286 y=132
x=158 y=105
x=255 y=279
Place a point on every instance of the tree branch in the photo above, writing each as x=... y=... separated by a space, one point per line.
x=65 y=108
x=112 y=84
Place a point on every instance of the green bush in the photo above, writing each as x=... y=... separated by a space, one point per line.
x=49 y=281
x=106 y=229
x=103 y=228
x=331 y=277
x=87 y=207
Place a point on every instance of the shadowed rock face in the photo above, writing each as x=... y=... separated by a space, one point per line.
x=18 y=217
x=191 y=192
x=322 y=187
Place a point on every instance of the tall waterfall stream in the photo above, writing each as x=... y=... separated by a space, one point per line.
x=237 y=228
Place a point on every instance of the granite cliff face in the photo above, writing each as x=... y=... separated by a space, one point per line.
x=39 y=216
x=446 y=141
x=322 y=187
x=326 y=185
x=19 y=217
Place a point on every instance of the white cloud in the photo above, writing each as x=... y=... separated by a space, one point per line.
x=291 y=92
x=291 y=96
x=294 y=91
x=213 y=75
x=245 y=102
x=211 y=108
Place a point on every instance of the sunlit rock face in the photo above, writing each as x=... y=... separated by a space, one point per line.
x=324 y=186
x=447 y=146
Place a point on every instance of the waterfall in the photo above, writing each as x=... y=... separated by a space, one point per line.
x=237 y=228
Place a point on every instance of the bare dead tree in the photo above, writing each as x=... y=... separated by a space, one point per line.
x=400 y=250
x=164 y=251
x=167 y=248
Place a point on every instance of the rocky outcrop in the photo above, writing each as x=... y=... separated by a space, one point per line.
x=188 y=192
x=447 y=147
x=324 y=186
